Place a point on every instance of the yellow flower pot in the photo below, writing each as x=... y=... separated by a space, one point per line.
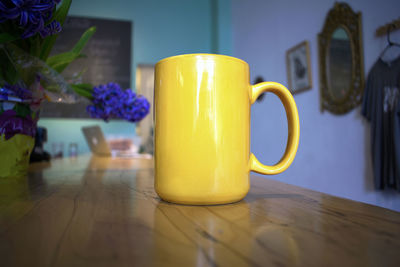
x=14 y=156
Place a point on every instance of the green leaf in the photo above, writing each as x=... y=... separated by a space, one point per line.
x=84 y=39
x=22 y=110
x=34 y=44
x=84 y=86
x=6 y=37
x=60 y=16
x=7 y=70
x=61 y=61
x=62 y=11
x=75 y=52
x=83 y=89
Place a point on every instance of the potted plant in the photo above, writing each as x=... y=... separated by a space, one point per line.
x=29 y=76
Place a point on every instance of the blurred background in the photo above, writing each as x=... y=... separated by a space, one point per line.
x=334 y=152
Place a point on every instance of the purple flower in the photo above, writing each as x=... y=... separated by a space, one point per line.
x=31 y=15
x=9 y=90
x=11 y=124
x=135 y=109
x=53 y=28
x=110 y=101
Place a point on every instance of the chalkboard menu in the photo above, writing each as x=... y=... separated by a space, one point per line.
x=108 y=59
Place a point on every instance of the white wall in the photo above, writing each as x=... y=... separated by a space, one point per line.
x=334 y=151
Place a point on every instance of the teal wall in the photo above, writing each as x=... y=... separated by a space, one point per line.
x=160 y=29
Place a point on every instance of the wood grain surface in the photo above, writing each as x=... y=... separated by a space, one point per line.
x=104 y=212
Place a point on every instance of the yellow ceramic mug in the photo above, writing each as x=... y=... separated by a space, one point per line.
x=202 y=129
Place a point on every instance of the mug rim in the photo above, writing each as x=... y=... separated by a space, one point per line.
x=201 y=55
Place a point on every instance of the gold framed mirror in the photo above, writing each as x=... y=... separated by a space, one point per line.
x=341 y=64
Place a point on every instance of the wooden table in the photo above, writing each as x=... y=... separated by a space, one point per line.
x=104 y=212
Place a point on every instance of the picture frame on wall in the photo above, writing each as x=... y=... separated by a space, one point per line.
x=299 y=68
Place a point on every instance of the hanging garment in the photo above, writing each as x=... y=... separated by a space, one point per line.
x=380 y=106
x=397 y=143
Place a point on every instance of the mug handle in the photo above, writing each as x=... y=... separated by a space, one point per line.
x=293 y=127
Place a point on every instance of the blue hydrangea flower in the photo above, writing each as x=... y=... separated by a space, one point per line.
x=110 y=101
x=32 y=15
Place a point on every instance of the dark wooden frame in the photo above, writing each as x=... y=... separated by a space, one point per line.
x=341 y=15
x=288 y=65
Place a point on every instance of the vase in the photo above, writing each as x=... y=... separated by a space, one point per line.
x=17 y=136
x=14 y=156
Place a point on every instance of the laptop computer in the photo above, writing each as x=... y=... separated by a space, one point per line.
x=96 y=141
x=99 y=146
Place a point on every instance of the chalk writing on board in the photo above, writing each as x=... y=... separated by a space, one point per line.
x=107 y=59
